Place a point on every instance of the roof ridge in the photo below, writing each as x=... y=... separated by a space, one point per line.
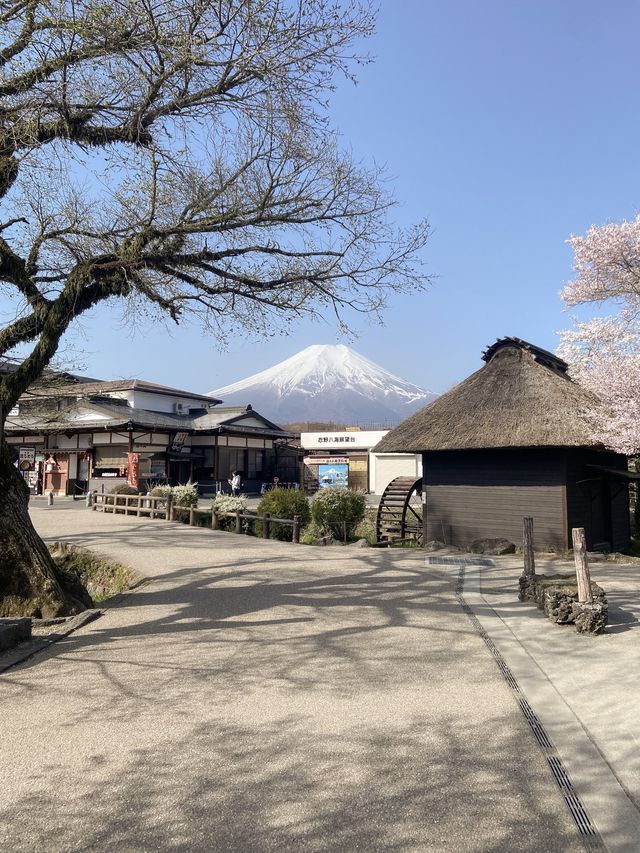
x=542 y=356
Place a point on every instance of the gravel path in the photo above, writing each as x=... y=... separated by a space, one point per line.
x=266 y=697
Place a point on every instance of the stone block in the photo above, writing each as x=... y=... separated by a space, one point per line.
x=492 y=547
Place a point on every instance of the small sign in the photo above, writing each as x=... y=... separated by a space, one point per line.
x=337 y=441
x=326 y=460
x=133 y=470
x=25 y=465
x=178 y=441
x=336 y=476
x=27 y=454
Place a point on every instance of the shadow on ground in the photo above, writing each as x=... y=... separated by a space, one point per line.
x=282 y=788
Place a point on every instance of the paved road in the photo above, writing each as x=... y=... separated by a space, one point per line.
x=585 y=689
x=266 y=697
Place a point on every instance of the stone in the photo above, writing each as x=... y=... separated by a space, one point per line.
x=492 y=547
x=590 y=618
x=557 y=596
x=434 y=545
x=14 y=631
x=361 y=543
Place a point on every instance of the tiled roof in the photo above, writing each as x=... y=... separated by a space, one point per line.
x=119 y=417
x=85 y=389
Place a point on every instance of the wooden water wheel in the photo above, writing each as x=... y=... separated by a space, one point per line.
x=400 y=511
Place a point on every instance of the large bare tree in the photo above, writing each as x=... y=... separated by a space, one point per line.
x=175 y=154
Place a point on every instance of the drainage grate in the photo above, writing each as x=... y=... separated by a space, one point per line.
x=458 y=561
x=588 y=832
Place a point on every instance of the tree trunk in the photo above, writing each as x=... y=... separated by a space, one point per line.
x=30 y=582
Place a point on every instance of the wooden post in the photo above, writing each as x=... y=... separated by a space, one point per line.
x=296 y=529
x=214 y=519
x=192 y=516
x=266 y=525
x=527 y=547
x=167 y=514
x=582 y=565
x=238 y=522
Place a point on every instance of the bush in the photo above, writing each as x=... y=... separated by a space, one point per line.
x=339 y=511
x=160 y=491
x=120 y=489
x=366 y=529
x=123 y=489
x=185 y=496
x=311 y=535
x=283 y=503
x=227 y=503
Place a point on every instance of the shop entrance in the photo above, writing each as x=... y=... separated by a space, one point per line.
x=179 y=471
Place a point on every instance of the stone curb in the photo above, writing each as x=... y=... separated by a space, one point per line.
x=37 y=644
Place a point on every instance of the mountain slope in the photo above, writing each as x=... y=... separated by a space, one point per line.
x=328 y=383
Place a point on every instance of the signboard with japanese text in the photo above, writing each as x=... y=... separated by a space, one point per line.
x=178 y=441
x=133 y=470
x=27 y=454
x=329 y=441
x=325 y=460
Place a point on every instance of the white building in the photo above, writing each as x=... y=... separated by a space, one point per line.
x=344 y=457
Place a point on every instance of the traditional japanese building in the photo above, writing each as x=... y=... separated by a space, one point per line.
x=514 y=439
x=73 y=435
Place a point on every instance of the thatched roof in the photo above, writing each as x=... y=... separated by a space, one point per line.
x=522 y=397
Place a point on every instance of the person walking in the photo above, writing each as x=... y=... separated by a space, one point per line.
x=235 y=483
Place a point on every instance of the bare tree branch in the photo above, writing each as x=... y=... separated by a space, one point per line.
x=177 y=153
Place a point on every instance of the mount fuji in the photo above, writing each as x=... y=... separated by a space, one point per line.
x=328 y=383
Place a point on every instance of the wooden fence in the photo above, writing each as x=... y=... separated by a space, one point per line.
x=140 y=505
x=163 y=507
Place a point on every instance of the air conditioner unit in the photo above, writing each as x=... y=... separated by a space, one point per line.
x=178 y=408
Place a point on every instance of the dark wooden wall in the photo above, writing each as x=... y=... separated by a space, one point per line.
x=486 y=493
x=596 y=502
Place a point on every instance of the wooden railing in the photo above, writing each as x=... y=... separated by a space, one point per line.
x=140 y=505
x=163 y=507
x=267 y=519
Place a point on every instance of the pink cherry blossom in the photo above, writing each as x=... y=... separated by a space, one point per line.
x=604 y=353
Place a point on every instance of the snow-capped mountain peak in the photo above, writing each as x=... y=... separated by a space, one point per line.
x=327 y=382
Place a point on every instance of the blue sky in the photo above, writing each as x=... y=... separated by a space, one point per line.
x=509 y=125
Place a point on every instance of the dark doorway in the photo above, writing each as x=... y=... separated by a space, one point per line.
x=601 y=532
x=179 y=471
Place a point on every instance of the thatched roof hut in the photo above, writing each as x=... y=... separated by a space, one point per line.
x=522 y=397
x=514 y=439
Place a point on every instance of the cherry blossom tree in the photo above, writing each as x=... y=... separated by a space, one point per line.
x=604 y=353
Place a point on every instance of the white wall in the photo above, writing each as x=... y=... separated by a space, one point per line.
x=384 y=467
x=162 y=402
x=335 y=441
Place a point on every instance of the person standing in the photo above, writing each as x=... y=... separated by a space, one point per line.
x=235 y=483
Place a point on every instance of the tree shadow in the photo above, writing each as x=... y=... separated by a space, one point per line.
x=286 y=786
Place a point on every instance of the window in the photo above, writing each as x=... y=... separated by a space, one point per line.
x=231 y=459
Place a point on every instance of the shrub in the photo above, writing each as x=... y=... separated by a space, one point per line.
x=338 y=511
x=160 y=491
x=227 y=503
x=123 y=489
x=311 y=535
x=185 y=496
x=283 y=503
x=366 y=529
x=120 y=489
